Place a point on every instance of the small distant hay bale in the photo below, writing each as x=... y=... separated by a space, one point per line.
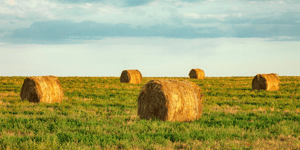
x=197 y=74
x=131 y=76
x=170 y=100
x=268 y=82
x=45 y=89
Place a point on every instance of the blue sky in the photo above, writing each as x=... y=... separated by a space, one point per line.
x=157 y=37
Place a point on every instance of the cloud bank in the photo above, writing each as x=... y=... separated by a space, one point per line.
x=58 y=32
x=73 y=21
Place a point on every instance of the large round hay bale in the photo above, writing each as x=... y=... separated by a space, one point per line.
x=131 y=76
x=170 y=100
x=197 y=74
x=45 y=89
x=268 y=82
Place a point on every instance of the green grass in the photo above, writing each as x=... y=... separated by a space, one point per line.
x=101 y=113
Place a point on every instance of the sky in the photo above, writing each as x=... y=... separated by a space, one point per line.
x=160 y=38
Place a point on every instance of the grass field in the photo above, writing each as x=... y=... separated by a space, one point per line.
x=101 y=113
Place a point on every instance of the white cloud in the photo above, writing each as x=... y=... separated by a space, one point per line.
x=11 y=2
x=156 y=12
x=206 y=16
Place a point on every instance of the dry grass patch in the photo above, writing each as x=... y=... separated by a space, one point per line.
x=297 y=111
x=17 y=133
x=87 y=99
x=226 y=109
x=132 y=119
x=9 y=81
x=132 y=87
x=282 y=142
x=110 y=86
x=264 y=110
x=260 y=109
x=9 y=94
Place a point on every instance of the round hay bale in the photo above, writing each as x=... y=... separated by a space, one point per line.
x=268 y=82
x=197 y=74
x=131 y=76
x=170 y=100
x=45 y=89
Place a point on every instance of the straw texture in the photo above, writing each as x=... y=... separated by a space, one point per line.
x=268 y=82
x=45 y=89
x=170 y=100
x=131 y=76
x=197 y=74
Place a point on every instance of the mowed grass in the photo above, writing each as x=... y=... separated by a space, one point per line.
x=101 y=113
